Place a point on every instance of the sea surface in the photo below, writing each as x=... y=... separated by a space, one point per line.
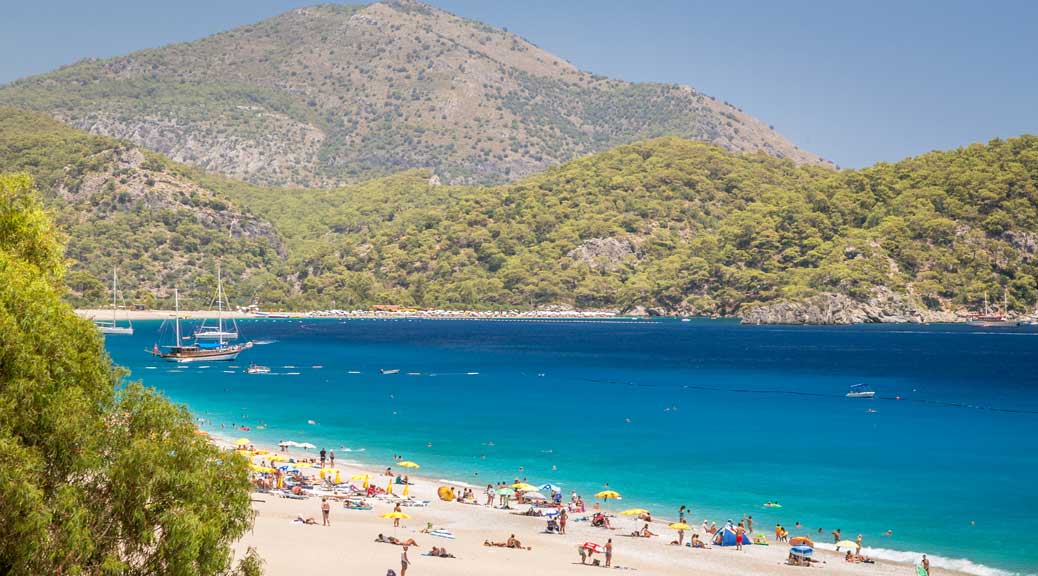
x=710 y=414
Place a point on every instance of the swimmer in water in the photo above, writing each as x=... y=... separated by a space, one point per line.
x=888 y=533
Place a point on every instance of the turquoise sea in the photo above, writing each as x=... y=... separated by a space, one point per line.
x=711 y=414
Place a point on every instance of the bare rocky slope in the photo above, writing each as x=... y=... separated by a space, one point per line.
x=328 y=94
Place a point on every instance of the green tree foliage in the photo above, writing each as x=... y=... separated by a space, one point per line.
x=96 y=476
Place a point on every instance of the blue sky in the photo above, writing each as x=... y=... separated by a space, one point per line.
x=856 y=82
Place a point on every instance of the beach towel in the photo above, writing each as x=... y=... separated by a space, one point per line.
x=441 y=533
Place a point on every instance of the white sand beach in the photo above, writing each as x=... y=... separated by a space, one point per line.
x=348 y=545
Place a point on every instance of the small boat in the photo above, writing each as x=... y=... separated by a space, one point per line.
x=860 y=391
x=384 y=371
x=214 y=333
x=257 y=369
x=112 y=326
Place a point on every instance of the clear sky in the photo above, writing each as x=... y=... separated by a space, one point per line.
x=856 y=82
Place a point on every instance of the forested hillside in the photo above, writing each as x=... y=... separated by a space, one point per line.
x=666 y=224
x=329 y=94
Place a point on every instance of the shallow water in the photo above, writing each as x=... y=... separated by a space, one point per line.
x=710 y=414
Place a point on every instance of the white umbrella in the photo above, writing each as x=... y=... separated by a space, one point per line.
x=550 y=488
x=533 y=496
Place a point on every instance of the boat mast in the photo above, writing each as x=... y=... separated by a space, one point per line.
x=176 y=300
x=219 y=303
x=115 y=290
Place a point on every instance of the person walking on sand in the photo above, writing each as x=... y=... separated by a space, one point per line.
x=404 y=561
x=926 y=565
x=325 y=510
x=609 y=553
x=857 y=552
x=562 y=521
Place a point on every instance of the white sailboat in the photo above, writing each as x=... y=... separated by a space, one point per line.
x=218 y=332
x=112 y=326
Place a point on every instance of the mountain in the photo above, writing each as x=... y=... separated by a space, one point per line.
x=121 y=206
x=667 y=225
x=328 y=94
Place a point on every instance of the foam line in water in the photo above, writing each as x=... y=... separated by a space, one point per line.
x=958 y=564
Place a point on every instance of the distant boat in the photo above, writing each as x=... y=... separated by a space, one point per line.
x=257 y=369
x=200 y=351
x=384 y=371
x=112 y=326
x=860 y=391
x=989 y=319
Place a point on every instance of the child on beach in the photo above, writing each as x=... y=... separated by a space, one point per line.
x=325 y=510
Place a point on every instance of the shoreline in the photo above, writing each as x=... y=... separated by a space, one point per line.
x=273 y=533
x=561 y=315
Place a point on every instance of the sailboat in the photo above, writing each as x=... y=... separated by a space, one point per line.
x=200 y=351
x=218 y=332
x=111 y=326
x=993 y=320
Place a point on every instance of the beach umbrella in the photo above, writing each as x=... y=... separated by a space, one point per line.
x=523 y=486
x=389 y=487
x=804 y=551
x=408 y=464
x=801 y=540
x=846 y=544
x=593 y=547
x=407 y=489
x=533 y=496
x=360 y=477
x=607 y=494
x=338 y=477
x=242 y=442
x=279 y=458
x=679 y=526
x=550 y=488
x=256 y=468
x=396 y=516
x=634 y=512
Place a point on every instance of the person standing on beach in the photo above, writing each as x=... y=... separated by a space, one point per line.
x=323 y=454
x=404 y=561
x=490 y=494
x=609 y=553
x=858 y=542
x=739 y=535
x=681 y=514
x=836 y=537
x=331 y=458
x=396 y=521
x=562 y=521
x=749 y=524
x=926 y=565
x=325 y=511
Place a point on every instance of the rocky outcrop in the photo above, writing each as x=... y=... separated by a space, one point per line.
x=883 y=306
x=603 y=254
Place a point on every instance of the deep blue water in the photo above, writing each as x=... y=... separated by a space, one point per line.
x=722 y=417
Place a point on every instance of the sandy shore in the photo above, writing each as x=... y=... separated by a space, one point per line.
x=103 y=314
x=348 y=546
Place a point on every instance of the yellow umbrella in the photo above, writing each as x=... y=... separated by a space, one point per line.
x=360 y=477
x=257 y=468
x=389 y=487
x=397 y=515
x=260 y=452
x=408 y=464
x=303 y=465
x=634 y=512
x=847 y=544
x=242 y=442
x=679 y=526
x=279 y=458
x=406 y=489
x=607 y=494
x=523 y=486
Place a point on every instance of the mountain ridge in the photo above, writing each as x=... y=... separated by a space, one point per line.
x=327 y=94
